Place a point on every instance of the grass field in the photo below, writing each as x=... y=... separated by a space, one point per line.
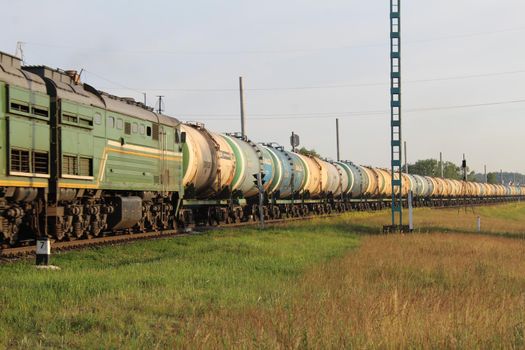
x=319 y=284
x=141 y=295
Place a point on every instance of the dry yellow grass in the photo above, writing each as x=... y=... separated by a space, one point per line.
x=422 y=291
x=504 y=219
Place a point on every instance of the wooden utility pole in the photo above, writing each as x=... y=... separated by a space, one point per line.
x=337 y=138
x=441 y=164
x=406 y=162
x=241 y=96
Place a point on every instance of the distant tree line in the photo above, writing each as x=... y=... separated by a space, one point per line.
x=308 y=152
x=431 y=167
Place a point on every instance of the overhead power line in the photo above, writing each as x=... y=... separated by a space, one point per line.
x=270 y=51
x=317 y=87
x=321 y=115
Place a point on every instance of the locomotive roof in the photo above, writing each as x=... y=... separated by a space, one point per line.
x=65 y=85
x=72 y=90
x=128 y=106
x=11 y=73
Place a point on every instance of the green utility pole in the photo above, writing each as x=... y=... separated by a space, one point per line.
x=395 y=115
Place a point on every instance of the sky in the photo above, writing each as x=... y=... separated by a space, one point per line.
x=304 y=63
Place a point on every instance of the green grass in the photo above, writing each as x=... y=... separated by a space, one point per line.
x=139 y=295
x=274 y=288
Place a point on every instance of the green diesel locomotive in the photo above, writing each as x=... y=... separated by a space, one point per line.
x=77 y=162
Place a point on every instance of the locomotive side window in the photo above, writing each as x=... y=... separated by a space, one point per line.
x=142 y=129
x=148 y=131
x=127 y=128
x=111 y=122
x=120 y=124
x=134 y=128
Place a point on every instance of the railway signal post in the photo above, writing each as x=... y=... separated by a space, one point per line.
x=259 y=182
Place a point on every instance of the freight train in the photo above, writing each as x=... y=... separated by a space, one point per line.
x=76 y=162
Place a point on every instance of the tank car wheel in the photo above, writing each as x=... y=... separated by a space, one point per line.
x=236 y=218
x=306 y=211
x=276 y=213
x=239 y=214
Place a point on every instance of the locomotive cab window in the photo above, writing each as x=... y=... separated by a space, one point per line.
x=148 y=131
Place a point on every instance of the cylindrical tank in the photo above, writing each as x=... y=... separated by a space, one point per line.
x=330 y=179
x=289 y=172
x=405 y=185
x=281 y=170
x=422 y=186
x=431 y=186
x=380 y=179
x=480 y=189
x=431 y=192
x=372 y=189
x=360 y=183
x=454 y=188
x=204 y=153
x=387 y=179
x=438 y=187
x=491 y=190
x=313 y=176
x=414 y=184
x=247 y=160
x=448 y=187
x=347 y=177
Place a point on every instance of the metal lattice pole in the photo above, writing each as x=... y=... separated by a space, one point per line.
x=395 y=116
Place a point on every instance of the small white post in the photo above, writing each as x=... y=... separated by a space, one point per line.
x=478 y=224
x=410 y=214
x=43 y=251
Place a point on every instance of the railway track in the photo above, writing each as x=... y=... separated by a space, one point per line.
x=9 y=254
